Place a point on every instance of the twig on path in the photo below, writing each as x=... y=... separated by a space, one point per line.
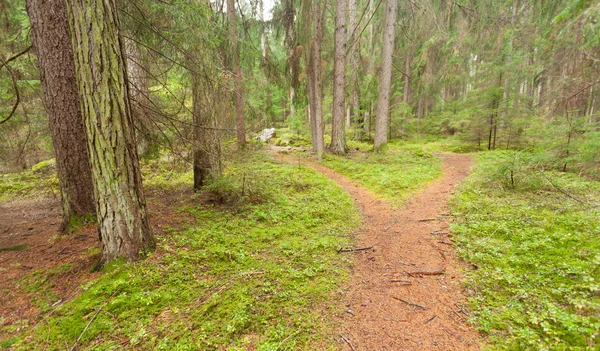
x=404 y=282
x=395 y=320
x=410 y=303
x=444 y=242
x=347 y=342
x=355 y=249
x=430 y=319
x=438 y=272
x=438 y=232
x=453 y=334
x=391 y=225
x=428 y=219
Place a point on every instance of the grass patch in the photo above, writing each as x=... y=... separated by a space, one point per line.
x=261 y=273
x=536 y=251
x=393 y=175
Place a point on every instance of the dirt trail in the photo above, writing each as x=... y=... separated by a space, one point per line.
x=384 y=306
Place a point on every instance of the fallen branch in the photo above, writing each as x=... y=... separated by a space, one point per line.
x=430 y=319
x=399 y=281
x=444 y=242
x=438 y=232
x=410 y=303
x=438 y=272
x=347 y=342
x=428 y=219
x=355 y=249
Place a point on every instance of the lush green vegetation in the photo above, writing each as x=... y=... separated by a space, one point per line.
x=532 y=239
x=40 y=180
x=393 y=175
x=259 y=269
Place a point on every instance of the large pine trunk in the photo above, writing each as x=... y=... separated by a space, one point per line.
x=101 y=76
x=237 y=74
x=385 y=81
x=50 y=36
x=338 y=130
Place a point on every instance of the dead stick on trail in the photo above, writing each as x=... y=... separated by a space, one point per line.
x=356 y=249
x=438 y=272
x=428 y=219
x=430 y=319
x=410 y=303
x=347 y=342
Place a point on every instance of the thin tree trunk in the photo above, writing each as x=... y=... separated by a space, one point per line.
x=315 y=85
x=101 y=76
x=237 y=75
x=354 y=55
x=385 y=82
x=207 y=145
x=407 y=73
x=137 y=77
x=50 y=35
x=338 y=130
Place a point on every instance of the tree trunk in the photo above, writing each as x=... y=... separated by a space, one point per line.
x=338 y=131
x=101 y=76
x=237 y=75
x=354 y=54
x=385 y=81
x=137 y=79
x=315 y=85
x=50 y=36
x=207 y=146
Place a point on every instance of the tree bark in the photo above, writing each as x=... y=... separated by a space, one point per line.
x=207 y=146
x=137 y=76
x=315 y=85
x=338 y=130
x=101 y=73
x=354 y=64
x=237 y=75
x=50 y=36
x=385 y=81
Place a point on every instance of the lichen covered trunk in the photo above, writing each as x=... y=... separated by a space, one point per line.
x=100 y=70
x=50 y=36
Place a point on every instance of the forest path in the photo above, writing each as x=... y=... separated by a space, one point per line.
x=387 y=304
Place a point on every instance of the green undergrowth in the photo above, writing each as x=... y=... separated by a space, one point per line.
x=532 y=237
x=393 y=175
x=260 y=271
x=39 y=181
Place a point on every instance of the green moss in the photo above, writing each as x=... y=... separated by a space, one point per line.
x=537 y=255
x=78 y=222
x=262 y=274
x=28 y=184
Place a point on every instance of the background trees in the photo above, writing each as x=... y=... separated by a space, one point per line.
x=489 y=74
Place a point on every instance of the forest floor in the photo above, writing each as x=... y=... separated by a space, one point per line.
x=405 y=290
x=41 y=269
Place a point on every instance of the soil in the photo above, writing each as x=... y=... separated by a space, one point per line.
x=405 y=291
x=30 y=241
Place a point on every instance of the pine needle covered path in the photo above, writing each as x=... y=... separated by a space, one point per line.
x=405 y=292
